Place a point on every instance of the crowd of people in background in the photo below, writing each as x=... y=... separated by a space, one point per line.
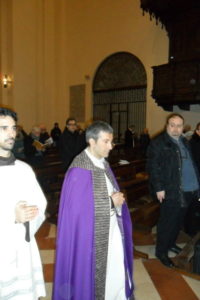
x=173 y=165
x=71 y=141
x=32 y=147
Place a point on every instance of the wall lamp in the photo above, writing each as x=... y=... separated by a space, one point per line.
x=6 y=81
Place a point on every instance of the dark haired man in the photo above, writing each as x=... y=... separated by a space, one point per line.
x=22 y=209
x=174 y=182
x=70 y=143
x=94 y=242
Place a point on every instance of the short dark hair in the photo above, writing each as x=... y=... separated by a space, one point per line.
x=69 y=120
x=92 y=132
x=174 y=115
x=197 y=126
x=8 y=112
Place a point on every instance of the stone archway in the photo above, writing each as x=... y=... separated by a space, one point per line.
x=119 y=93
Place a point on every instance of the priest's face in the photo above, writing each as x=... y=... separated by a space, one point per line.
x=7 y=135
x=102 y=146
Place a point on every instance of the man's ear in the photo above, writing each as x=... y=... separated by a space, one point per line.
x=91 y=142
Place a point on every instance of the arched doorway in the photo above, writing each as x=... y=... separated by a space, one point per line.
x=119 y=93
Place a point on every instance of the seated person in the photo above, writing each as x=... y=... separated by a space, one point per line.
x=44 y=136
x=33 y=149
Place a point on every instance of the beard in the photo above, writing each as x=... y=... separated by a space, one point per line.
x=8 y=144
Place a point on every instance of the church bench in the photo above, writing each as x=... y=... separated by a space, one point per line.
x=146 y=216
x=134 y=184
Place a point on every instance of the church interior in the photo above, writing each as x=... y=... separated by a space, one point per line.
x=125 y=62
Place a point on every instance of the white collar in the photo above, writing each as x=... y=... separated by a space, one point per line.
x=98 y=162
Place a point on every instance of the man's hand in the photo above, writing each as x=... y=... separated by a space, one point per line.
x=161 y=196
x=118 y=198
x=25 y=213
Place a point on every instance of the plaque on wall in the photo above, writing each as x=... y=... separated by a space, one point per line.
x=77 y=102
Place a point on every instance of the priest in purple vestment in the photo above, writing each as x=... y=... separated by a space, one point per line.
x=94 y=255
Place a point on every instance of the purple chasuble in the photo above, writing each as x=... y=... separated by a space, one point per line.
x=75 y=260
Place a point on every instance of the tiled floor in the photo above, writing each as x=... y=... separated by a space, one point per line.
x=152 y=280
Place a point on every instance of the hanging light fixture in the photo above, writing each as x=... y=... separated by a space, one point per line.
x=6 y=81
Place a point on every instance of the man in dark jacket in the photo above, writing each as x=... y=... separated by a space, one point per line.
x=71 y=142
x=174 y=182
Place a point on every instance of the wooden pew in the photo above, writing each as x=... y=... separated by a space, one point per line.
x=140 y=165
x=51 y=155
x=183 y=260
x=124 y=172
x=134 y=184
x=146 y=216
x=133 y=181
x=50 y=177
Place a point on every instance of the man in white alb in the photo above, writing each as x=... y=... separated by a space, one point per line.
x=22 y=208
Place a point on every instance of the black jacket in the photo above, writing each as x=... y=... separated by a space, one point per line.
x=70 y=145
x=195 y=148
x=55 y=134
x=164 y=168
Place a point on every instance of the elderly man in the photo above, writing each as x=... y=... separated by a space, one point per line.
x=33 y=149
x=174 y=182
x=94 y=242
x=22 y=209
